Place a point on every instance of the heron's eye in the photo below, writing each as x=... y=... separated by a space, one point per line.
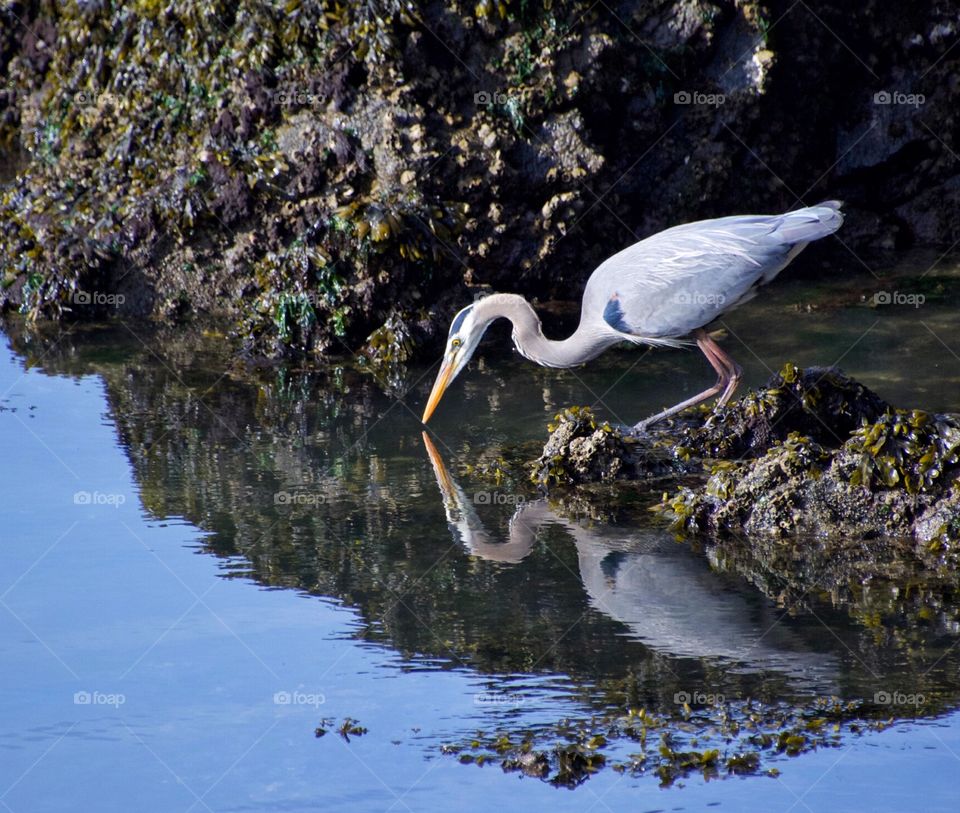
x=455 y=344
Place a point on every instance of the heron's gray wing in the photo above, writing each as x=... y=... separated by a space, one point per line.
x=682 y=278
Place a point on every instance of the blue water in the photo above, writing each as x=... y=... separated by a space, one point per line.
x=142 y=673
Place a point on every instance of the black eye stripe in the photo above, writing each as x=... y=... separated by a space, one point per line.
x=458 y=320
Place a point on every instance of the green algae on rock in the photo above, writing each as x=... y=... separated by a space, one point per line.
x=895 y=477
x=822 y=404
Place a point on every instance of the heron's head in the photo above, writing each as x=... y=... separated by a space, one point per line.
x=466 y=330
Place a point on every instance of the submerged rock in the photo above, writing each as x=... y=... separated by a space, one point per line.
x=813 y=452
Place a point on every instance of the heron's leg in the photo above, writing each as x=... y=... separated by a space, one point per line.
x=728 y=371
x=733 y=372
x=703 y=396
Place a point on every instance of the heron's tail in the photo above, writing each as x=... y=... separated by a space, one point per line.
x=811 y=223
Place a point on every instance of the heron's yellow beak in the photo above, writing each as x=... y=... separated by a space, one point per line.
x=439 y=386
x=443 y=479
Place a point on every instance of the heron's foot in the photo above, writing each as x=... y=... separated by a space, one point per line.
x=642 y=427
x=679 y=418
x=718 y=413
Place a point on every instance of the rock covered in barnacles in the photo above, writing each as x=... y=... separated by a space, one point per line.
x=813 y=452
x=582 y=450
x=849 y=464
x=821 y=403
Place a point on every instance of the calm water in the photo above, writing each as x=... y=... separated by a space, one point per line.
x=202 y=566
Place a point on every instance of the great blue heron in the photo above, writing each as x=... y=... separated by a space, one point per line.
x=655 y=292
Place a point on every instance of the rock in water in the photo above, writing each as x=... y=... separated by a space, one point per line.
x=813 y=452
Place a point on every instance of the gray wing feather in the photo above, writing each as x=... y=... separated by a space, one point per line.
x=680 y=279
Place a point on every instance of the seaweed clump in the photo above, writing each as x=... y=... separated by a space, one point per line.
x=818 y=403
x=912 y=449
x=896 y=477
x=720 y=740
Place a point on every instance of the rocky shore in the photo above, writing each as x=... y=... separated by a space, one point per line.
x=333 y=178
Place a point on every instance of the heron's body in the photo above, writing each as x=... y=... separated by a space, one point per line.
x=655 y=292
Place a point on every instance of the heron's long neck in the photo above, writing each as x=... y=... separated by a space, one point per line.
x=585 y=344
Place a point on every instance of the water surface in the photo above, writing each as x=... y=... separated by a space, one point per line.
x=204 y=565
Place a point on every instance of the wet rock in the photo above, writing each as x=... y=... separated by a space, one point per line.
x=819 y=403
x=580 y=450
x=896 y=476
x=814 y=452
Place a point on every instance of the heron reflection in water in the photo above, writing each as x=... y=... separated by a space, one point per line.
x=655 y=292
x=665 y=595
